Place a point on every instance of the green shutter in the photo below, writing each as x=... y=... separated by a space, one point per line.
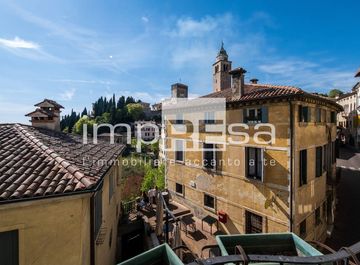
x=244 y=116
x=264 y=115
x=308 y=114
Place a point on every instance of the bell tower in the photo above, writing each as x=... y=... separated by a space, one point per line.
x=221 y=69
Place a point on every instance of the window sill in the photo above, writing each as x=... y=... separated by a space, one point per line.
x=210 y=209
x=209 y=169
x=254 y=179
x=303 y=123
x=180 y=194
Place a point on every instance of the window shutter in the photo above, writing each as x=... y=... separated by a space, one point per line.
x=264 y=115
x=300 y=114
x=309 y=114
x=244 y=116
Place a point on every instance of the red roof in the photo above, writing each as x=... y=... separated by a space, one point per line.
x=37 y=162
x=52 y=102
x=264 y=91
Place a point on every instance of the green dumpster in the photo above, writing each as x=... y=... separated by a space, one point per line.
x=287 y=244
x=160 y=255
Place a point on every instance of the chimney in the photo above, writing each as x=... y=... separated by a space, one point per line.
x=254 y=81
x=46 y=115
x=179 y=90
x=238 y=81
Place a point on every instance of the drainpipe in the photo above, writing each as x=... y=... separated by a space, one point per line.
x=291 y=164
x=92 y=229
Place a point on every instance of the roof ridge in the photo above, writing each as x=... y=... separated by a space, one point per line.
x=72 y=169
x=275 y=86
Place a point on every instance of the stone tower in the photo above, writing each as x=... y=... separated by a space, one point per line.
x=46 y=115
x=221 y=69
x=179 y=90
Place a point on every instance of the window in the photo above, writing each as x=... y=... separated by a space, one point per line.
x=209 y=201
x=98 y=211
x=317 y=216
x=318 y=115
x=254 y=163
x=111 y=185
x=179 y=150
x=253 y=223
x=209 y=117
x=303 y=167
x=256 y=115
x=304 y=114
x=209 y=158
x=319 y=161
x=9 y=247
x=179 y=188
x=303 y=228
x=333 y=117
x=179 y=118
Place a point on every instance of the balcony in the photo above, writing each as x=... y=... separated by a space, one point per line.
x=282 y=248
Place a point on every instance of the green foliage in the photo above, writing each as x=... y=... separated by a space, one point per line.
x=78 y=128
x=69 y=121
x=135 y=111
x=335 y=92
x=153 y=177
x=124 y=110
x=133 y=165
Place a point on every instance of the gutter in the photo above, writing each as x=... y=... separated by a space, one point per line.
x=291 y=221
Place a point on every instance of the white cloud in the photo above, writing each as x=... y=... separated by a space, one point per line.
x=189 y=27
x=68 y=94
x=145 y=19
x=18 y=43
x=307 y=74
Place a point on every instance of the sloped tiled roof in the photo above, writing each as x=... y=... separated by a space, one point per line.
x=52 y=102
x=42 y=111
x=263 y=91
x=37 y=162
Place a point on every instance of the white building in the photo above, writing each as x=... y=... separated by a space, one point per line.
x=146 y=130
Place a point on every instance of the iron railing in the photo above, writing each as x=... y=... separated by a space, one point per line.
x=128 y=207
x=345 y=256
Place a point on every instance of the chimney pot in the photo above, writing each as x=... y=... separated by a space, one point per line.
x=179 y=90
x=254 y=81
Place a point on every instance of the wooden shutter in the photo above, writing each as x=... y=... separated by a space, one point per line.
x=9 y=247
x=300 y=113
x=264 y=115
x=244 y=112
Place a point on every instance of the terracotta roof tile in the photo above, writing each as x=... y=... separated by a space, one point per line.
x=39 y=162
x=263 y=91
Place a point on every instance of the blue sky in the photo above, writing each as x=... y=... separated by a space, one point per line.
x=77 y=51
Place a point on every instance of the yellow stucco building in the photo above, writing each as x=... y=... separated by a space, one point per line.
x=59 y=199
x=283 y=185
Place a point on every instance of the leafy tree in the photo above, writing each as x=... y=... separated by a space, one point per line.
x=153 y=177
x=78 y=128
x=135 y=111
x=335 y=92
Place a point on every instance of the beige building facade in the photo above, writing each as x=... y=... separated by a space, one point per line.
x=55 y=210
x=282 y=186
